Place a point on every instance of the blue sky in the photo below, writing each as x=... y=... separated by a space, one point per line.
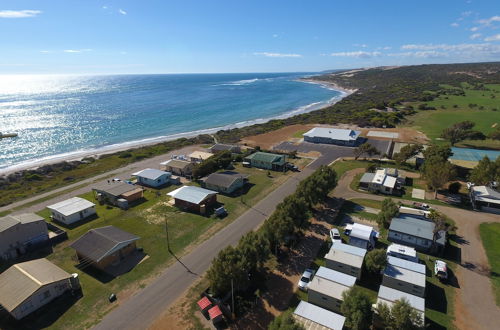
x=88 y=37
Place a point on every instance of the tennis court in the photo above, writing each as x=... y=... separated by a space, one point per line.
x=473 y=155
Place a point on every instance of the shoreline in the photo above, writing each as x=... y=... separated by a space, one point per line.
x=78 y=155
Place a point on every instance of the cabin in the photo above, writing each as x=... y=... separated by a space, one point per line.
x=225 y=182
x=330 y=135
x=385 y=181
x=220 y=147
x=267 y=161
x=326 y=288
x=152 y=177
x=178 y=167
x=362 y=236
x=72 y=210
x=485 y=199
x=312 y=317
x=194 y=199
x=389 y=296
x=21 y=233
x=25 y=287
x=104 y=247
x=119 y=194
x=199 y=156
x=402 y=252
x=405 y=280
x=346 y=259
x=417 y=232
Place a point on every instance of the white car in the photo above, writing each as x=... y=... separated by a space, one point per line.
x=305 y=279
x=441 y=270
x=335 y=235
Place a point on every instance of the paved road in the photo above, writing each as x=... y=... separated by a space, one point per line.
x=475 y=306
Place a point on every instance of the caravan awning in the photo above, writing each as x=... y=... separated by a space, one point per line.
x=214 y=312
x=204 y=302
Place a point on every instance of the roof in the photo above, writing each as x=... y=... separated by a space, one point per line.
x=71 y=206
x=410 y=265
x=415 y=226
x=266 y=157
x=390 y=181
x=346 y=254
x=310 y=316
x=214 y=312
x=176 y=163
x=12 y=220
x=486 y=194
x=223 y=179
x=191 y=194
x=117 y=188
x=390 y=295
x=405 y=275
x=367 y=178
x=100 y=242
x=151 y=173
x=204 y=303
x=361 y=231
x=20 y=281
x=7 y=222
x=200 y=155
x=327 y=287
x=223 y=147
x=381 y=177
x=402 y=249
x=336 y=276
x=333 y=133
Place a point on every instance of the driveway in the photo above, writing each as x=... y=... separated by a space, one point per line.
x=475 y=306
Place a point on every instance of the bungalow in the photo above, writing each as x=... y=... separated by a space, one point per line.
x=27 y=286
x=199 y=156
x=385 y=181
x=194 y=199
x=485 y=198
x=178 y=167
x=267 y=161
x=343 y=137
x=326 y=288
x=219 y=147
x=152 y=177
x=402 y=252
x=118 y=193
x=405 y=280
x=224 y=182
x=312 y=317
x=71 y=210
x=417 y=232
x=20 y=233
x=104 y=247
x=362 y=236
x=389 y=296
x=346 y=259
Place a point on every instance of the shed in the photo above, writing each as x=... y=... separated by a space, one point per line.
x=72 y=210
x=178 y=167
x=405 y=280
x=194 y=198
x=118 y=193
x=21 y=233
x=326 y=288
x=225 y=182
x=345 y=258
x=152 y=177
x=313 y=317
x=330 y=135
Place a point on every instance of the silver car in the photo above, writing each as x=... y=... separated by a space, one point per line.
x=305 y=279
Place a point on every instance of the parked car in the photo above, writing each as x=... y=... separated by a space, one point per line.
x=305 y=279
x=441 y=270
x=348 y=229
x=292 y=167
x=335 y=235
x=220 y=211
x=421 y=206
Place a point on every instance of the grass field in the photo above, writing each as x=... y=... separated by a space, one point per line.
x=490 y=235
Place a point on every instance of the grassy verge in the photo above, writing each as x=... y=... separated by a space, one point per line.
x=490 y=234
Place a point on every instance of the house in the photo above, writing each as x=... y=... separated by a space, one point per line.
x=152 y=177
x=346 y=259
x=224 y=182
x=104 y=247
x=385 y=181
x=389 y=296
x=72 y=210
x=417 y=232
x=199 y=156
x=267 y=161
x=402 y=252
x=120 y=194
x=485 y=198
x=178 y=167
x=312 y=317
x=406 y=264
x=405 y=280
x=362 y=236
x=193 y=198
x=21 y=233
x=326 y=288
x=220 y=147
x=329 y=135
x=27 y=286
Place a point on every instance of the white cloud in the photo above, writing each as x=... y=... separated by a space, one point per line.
x=121 y=11
x=476 y=36
x=459 y=50
x=268 y=54
x=104 y=7
x=420 y=54
x=360 y=45
x=77 y=50
x=496 y=37
x=467 y=13
x=275 y=35
x=45 y=51
x=474 y=29
x=489 y=21
x=357 y=54
x=19 y=13
x=455 y=24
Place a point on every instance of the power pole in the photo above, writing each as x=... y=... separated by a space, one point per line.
x=232 y=298
x=168 y=241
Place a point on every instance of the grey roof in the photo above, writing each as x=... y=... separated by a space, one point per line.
x=117 y=188
x=333 y=133
x=151 y=173
x=391 y=295
x=486 y=194
x=224 y=147
x=346 y=254
x=414 y=266
x=7 y=222
x=99 y=242
x=12 y=220
x=191 y=194
x=330 y=286
x=71 y=206
x=336 y=276
x=223 y=179
x=367 y=178
x=412 y=225
x=177 y=163
x=309 y=312
x=22 y=280
x=405 y=275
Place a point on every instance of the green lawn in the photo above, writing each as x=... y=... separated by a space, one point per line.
x=147 y=220
x=490 y=235
x=299 y=134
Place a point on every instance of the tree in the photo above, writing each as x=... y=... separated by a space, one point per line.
x=461 y=131
x=485 y=171
x=435 y=152
x=365 y=148
x=439 y=223
x=401 y=316
x=285 y=321
x=227 y=266
x=357 y=309
x=437 y=173
x=388 y=211
x=407 y=152
x=376 y=260
x=254 y=250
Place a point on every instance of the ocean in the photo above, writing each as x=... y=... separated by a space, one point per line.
x=63 y=116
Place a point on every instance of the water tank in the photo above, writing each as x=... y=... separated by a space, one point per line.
x=122 y=203
x=75 y=282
